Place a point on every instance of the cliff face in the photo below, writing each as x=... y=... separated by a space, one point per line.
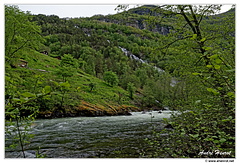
x=141 y=24
x=137 y=18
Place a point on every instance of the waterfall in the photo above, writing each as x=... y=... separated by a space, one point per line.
x=134 y=57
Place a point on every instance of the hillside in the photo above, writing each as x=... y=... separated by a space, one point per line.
x=181 y=57
x=80 y=99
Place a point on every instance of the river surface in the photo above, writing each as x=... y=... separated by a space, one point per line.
x=101 y=137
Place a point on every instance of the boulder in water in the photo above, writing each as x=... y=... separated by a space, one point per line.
x=144 y=112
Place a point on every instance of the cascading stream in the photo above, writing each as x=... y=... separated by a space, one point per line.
x=134 y=57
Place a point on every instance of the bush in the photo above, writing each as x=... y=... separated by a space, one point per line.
x=111 y=78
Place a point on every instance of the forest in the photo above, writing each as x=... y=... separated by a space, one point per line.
x=176 y=57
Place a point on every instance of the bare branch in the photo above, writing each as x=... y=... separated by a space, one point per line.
x=186 y=18
x=203 y=14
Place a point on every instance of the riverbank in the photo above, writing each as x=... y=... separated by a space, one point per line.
x=89 y=110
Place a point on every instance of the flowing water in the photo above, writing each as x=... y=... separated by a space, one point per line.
x=83 y=137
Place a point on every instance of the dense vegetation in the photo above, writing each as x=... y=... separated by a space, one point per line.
x=110 y=65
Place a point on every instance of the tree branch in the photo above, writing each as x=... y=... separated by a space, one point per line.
x=195 y=22
x=175 y=41
x=186 y=18
x=19 y=47
x=203 y=14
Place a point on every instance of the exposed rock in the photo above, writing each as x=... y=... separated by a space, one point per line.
x=44 y=52
x=140 y=24
x=22 y=63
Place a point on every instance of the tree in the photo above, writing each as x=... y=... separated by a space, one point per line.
x=68 y=61
x=20 y=114
x=65 y=72
x=131 y=89
x=203 y=65
x=92 y=86
x=111 y=78
x=64 y=88
x=20 y=33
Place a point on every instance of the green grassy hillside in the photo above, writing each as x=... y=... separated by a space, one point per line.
x=80 y=98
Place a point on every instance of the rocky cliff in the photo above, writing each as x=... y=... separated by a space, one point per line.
x=138 y=18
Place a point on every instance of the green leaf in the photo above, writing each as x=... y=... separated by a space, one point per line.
x=28 y=94
x=215 y=141
x=7 y=78
x=225 y=120
x=207 y=48
x=194 y=136
x=55 y=83
x=39 y=94
x=209 y=66
x=191 y=112
x=219 y=88
x=215 y=56
x=231 y=94
x=47 y=89
x=194 y=36
x=209 y=89
x=217 y=67
x=196 y=73
x=215 y=92
x=232 y=70
x=198 y=101
x=218 y=61
x=222 y=140
x=203 y=39
x=165 y=119
x=66 y=84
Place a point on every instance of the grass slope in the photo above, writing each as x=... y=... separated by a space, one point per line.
x=78 y=99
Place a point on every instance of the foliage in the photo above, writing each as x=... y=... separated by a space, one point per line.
x=111 y=78
x=20 y=34
x=131 y=89
x=68 y=61
x=92 y=86
x=20 y=114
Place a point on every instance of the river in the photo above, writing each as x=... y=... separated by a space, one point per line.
x=101 y=137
